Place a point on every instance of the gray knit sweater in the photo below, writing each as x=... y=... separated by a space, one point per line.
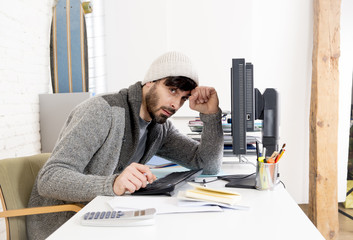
x=99 y=138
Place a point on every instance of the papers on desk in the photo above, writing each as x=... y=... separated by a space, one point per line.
x=183 y=203
x=205 y=196
x=162 y=204
x=158 y=162
x=187 y=202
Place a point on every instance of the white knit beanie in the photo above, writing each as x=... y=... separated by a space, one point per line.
x=171 y=64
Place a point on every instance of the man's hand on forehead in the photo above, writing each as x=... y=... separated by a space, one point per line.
x=204 y=100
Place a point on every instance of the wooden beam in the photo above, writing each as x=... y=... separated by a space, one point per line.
x=323 y=205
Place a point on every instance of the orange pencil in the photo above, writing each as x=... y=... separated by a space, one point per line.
x=279 y=157
x=273 y=157
x=270 y=160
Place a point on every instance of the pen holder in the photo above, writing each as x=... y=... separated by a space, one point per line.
x=266 y=176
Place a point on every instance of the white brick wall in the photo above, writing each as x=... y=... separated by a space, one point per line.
x=24 y=73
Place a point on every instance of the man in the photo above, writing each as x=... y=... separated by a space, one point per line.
x=107 y=140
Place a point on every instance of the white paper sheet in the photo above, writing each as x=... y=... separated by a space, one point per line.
x=163 y=204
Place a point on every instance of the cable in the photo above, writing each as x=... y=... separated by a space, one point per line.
x=247 y=160
x=225 y=177
x=349 y=192
x=345 y=214
x=235 y=176
x=204 y=181
x=282 y=183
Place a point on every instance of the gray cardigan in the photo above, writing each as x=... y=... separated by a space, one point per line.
x=96 y=144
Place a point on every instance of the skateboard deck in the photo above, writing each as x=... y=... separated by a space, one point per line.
x=68 y=48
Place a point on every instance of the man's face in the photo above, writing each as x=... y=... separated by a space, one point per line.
x=163 y=101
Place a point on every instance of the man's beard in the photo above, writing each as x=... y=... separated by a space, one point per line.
x=152 y=99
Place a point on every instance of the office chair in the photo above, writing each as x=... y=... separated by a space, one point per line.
x=17 y=176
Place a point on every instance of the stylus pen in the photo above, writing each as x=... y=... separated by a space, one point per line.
x=264 y=152
x=257 y=151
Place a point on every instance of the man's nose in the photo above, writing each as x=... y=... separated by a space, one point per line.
x=175 y=104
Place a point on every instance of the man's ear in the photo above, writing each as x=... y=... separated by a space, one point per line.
x=148 y=85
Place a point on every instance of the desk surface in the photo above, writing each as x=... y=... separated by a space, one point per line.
x=272 y=215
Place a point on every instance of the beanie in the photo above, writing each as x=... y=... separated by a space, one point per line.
x=171 y=64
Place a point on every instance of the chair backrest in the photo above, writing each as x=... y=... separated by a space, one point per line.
x=17 y=176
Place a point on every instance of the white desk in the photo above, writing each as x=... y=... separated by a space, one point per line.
x=272 y=215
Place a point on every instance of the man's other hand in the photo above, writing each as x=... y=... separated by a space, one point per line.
x=134 y=177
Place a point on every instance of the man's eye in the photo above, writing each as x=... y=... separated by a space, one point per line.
x=173 y=90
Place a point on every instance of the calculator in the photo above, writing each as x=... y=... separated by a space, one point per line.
x=143 y=217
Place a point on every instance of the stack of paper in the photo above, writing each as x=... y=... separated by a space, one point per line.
x=158 y=162
x=162 y=204
x=202 y=193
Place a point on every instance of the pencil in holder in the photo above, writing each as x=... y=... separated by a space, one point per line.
x=266 y=176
